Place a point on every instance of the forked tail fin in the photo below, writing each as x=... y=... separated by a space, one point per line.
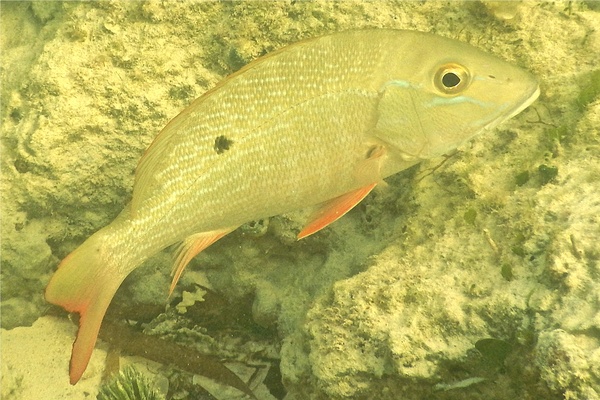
x=85 y=282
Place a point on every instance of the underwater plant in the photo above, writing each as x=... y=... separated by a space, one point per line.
x=130 y=384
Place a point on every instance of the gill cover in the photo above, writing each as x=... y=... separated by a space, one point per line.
x=436 y=111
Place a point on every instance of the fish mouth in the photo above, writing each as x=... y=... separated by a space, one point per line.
x=530 y=99
x=526 y=102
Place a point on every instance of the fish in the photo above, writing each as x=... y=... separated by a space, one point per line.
x=318 y=123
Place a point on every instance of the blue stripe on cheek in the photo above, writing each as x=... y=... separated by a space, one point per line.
x=444 y=101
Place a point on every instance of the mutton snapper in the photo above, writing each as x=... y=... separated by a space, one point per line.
x=320 y=122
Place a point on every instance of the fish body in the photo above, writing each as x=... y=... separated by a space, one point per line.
x=320 y=122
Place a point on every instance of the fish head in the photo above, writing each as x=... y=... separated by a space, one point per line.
x=451 y=93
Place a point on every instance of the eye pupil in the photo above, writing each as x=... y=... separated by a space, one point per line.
x=450 y=80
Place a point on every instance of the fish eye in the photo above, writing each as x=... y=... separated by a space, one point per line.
x=451 y=78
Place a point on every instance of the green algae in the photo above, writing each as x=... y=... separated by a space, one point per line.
x=547 y=173
x=590 y=89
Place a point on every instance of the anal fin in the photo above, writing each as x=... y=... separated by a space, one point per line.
x=334 y=209
x=190 y=248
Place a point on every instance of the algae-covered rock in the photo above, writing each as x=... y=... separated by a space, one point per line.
x=569 y=363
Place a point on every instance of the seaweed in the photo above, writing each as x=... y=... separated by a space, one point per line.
x=130 y=384
x=470 y=216
x=547 y=174
x=168 y=353
x=494 y=351
x=522 y=178
x=590 y=89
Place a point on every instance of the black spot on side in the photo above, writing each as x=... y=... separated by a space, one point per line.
x=222 y=144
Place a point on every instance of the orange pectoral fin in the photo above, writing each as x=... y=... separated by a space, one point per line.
x=334 y=209
x=86 y=284
x=190 y=248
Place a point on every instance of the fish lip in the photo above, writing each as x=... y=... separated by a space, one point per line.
x=528 y=100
